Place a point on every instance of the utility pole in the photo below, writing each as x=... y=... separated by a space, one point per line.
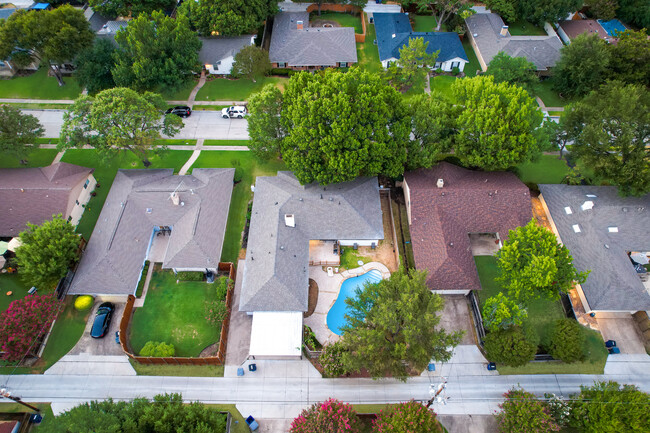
x=6 y=394
x=435 y=392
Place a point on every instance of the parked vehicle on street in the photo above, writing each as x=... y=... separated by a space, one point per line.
x=180 y=110
x=102 y=320
x=236 y=111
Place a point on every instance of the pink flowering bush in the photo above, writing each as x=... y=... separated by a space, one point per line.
x=408 y=417
x=24 y=322
x=521 y=412
x=331 y=416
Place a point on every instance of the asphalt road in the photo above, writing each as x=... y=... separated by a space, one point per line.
x=201 y=124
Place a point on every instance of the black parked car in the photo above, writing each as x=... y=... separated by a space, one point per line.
x=102 y=320
x=180 y=110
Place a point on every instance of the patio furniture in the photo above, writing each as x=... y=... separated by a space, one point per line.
x=240 y=371
x=252 y=424
x=610 y=343
x=252 y=367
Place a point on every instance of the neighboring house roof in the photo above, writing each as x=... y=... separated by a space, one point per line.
x=394 y=31
x=6 y=13
x=443 y=218
x=138 y=202
x=613 y=284
x=112 y=27
x=543 y=51
x=574 y=28
x=219 y=48
x=276 y=276
x=35 y=194
x=95 y=19
x=311 y=46
x=373 y=8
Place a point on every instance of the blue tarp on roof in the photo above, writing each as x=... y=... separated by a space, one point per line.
x=40 y=6
x=394 y=31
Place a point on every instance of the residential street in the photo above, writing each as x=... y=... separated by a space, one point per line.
x=201 y=124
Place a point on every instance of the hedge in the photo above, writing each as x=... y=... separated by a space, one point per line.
x=190 y=276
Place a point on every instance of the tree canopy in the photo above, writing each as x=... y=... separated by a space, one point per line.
x=433 y=130
x=227 y=17
x=522 y=412
x=513 y=70
x=443 y=10
x=116 y=120
x=636 y=12
x=583 y=65
x=50 y=37
x=94 y=66
x=552 y=11
x=407 y=417
x=330 y=416
x=46 y=253
x=264 y=123
x=532 y=264
x=510 y=346
x=499 y=124
x=393 y=327
x=567 y=341
x=500 y=312
x=18 y=131
x=602 y=9
x=610 y=129
x=630 y=58
x=251 y=62
x=156 y=52
x=115 y=8
x=506 y=9
x=342 y=125
x=413 y=64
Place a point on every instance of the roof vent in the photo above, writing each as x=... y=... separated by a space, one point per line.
x=576 y=228
x=289 y=220
x=588 y=205
x=568 y=210
x=591 y=195
x=149 y=210
x=504 y=30
x=440 y=183
x=612 y=229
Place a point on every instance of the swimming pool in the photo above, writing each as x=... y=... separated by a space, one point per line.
x=612 y=27
x=335 y=317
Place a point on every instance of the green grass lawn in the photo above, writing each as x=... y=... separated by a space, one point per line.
x=223 y=89
x=241 y=193
x=182 y=93
x=36 y=158
x=11 y=283
x=105 y=172
x=240 y=426
x=35 y=106
x=175 y=142
x=45 y=410
x=174 y=313
x=473 y=65
x=344 y=19
x=367 y=52
x=524 y=28
x=209 y=107
x=417 y=88
x=39 y=86
x=67 y=330
x=547 y=169
x=424 y=23
x=350 y=258
x=177 y=370
x=225 y=143
x=442 y=84
x=544 y=89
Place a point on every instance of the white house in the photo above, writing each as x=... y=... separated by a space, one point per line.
x=217 y=54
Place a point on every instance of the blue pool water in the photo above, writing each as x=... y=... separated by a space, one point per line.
x=335 y=317
x=612 y=26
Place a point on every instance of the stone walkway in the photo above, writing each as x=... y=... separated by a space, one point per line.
x=193 y=158
x=140 y=301
x=195 y=90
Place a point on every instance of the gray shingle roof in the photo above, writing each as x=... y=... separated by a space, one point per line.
x=613 y=283
x=543 y=51
x=35 y=194
x=310 y=46
x=138 y=201
x=277 y=257
x=219 y=48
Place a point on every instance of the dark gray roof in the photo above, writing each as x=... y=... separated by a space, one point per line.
x=138 y=201
x=311 y=46
x=276 y=276
x=613 y=284
x=543 y=51
x=219 y=48
x=95 y=19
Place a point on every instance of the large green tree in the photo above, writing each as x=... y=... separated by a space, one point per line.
x=501 y=312
x=116 y=120
x=342 y=125
x=227 y=17
x=522 y=412
x=511 y=347
x=46 y=253
x=513 y=70
x=630 y=60
x=251 y=62
x=532 y=264
x=539 y=12
x=94 y=66
x=611 y=130
x=607 y=407
x=636 y=12
x=433 y=122
x=165 y=414
x=264 y=123
x=393 y=327
x=443 y=10
x=567 y=341
x=583 y=65
x=18 y=131
x=156 y=52
x=413 y=64
x=115 y=8
x=506 y=9
x=499 y=125
x=602 y=9
x=49 y=38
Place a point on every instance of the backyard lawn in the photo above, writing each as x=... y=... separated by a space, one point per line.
x=39 y=86
x=544 y=89
x=367 y=52
x=442 y=84
x=105 y=172
x=36 y=158
x=11 y=283
x=223 y=89
x=241 y=193
x=174 y=313
x=524 y=28
x=547 y=169
x=344 y=19
x=473 y=65
x=424 y=23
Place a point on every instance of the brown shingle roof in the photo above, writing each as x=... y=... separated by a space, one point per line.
x=469 y=202
x=35 y=194
x=574 y=28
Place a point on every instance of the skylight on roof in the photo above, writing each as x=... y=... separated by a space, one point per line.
x=568 y=210
x=576 y=228
x=612 y=229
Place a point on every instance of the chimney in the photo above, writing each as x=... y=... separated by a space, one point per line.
x=504 y=30
x=587 y=205
x=299 y=23
x=440 y=183
x=175 y=199
x=289 y=220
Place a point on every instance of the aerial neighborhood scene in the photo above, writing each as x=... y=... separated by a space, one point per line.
x=331 y=216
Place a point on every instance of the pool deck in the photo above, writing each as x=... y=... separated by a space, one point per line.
x=328 y=291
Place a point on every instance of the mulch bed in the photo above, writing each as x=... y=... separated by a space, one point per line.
x=313 y=298
x=211 y=350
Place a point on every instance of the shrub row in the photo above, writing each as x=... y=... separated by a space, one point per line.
x=190 y=276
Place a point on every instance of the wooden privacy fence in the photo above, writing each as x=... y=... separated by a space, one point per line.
x=218 y=359
x=345 y=8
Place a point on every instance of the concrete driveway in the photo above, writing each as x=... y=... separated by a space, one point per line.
x=457 y=317
x=100 y=346
x=201 y=124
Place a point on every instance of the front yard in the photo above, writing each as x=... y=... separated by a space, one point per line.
x=223 y=89
x=36 y=158
x=39 y=86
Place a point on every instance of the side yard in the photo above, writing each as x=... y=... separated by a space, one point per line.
x=367 y=52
